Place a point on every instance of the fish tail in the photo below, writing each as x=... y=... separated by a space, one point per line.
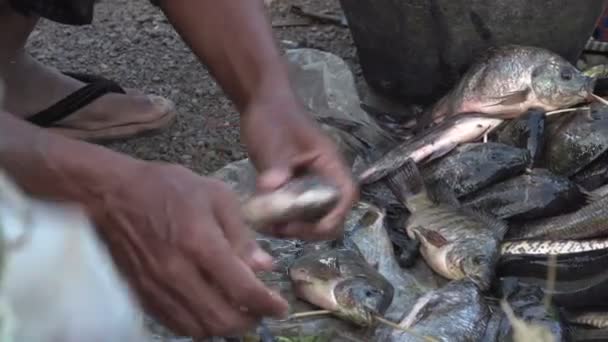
x=406 y=181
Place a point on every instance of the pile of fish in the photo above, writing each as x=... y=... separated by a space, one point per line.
x=488 y=222
x=485 y=220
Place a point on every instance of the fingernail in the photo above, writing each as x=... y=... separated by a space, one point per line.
x=261 y=257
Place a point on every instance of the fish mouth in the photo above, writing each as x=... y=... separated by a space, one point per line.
x=589 y=87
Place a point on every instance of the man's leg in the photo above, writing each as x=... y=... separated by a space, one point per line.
x=32 y=87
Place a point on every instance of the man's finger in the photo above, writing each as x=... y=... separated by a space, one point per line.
x=349 y=191
x=239 y=236
x=196 y=297
x=167 y=310
x=233 y=276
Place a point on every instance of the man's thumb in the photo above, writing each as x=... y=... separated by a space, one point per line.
x=273 y=178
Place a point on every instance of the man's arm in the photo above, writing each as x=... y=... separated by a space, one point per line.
x=51 y=165
x=234 y=39
x=162 y=224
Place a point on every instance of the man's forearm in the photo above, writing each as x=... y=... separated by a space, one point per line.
x=52 y=166
x=234 y=39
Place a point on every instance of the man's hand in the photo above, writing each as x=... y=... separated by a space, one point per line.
x=281 y=139
x=180 y=241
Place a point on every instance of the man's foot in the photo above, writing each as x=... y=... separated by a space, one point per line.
x=32 y=87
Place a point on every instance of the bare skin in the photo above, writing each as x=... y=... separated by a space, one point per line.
x=173 y=233
x=32 y=87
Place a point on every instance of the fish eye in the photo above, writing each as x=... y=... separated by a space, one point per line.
x=566 y=74
x=370 y=293
x=477 y=260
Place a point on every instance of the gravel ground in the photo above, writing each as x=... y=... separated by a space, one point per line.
x=131 y=42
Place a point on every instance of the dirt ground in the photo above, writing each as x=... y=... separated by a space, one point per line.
x=131 y=42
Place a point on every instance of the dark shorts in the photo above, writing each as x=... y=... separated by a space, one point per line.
x=69 y=12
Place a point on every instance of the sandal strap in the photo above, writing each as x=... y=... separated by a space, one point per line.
x=97 y=87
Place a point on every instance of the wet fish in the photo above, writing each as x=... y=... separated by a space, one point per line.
x=598 y=193
x=588 y=334
x=306 y=198
x=535 y=194
x=455 y=312
x=431 y=145
x=588 y=222
x=341 y=281
x=355 y=138
x=575 y=140
x=506 y=81
x=596 y=319
x=551 y=247
x=527 y=131
x=528 y=304
x=456 y=242
x=474 y=166
x=574 y=259
x=57 y=275
x=581 y=289
x=366 y=228
x=593 y=175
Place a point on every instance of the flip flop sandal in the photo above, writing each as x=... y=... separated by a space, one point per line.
x=97 y=87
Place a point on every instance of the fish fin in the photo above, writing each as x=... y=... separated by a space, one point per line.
x=405 y=181
x=535 y=128
x=590 y=196
x=512 y=98
x=440 y=192
x=423 y=308
x=432 y=237
x=496 y=225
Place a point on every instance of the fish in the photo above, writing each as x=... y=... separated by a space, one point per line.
x=580 y=333
x=571 y=291
x=473 y=166
x=456 y=242
x=598 y=193
x=535 y=194
x=431 y=145
x=527 y=303
x=355 y=138
x=580 y=275
x=506 y=81
x=574 y=259
x=527 y=131
x=593 y=175
x=366 y=228
x=57 y=276
x=455 y=312
x=339 y=279
x=596 y=319
x=406 y=249
x=574 y=140
x=306 y=198
x=587 y=222
x=468 y=168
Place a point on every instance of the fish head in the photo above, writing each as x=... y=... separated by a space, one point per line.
x=558 y=84
x=341 y=281
x=479 y=268
x=314 y=280
x=359 y=299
